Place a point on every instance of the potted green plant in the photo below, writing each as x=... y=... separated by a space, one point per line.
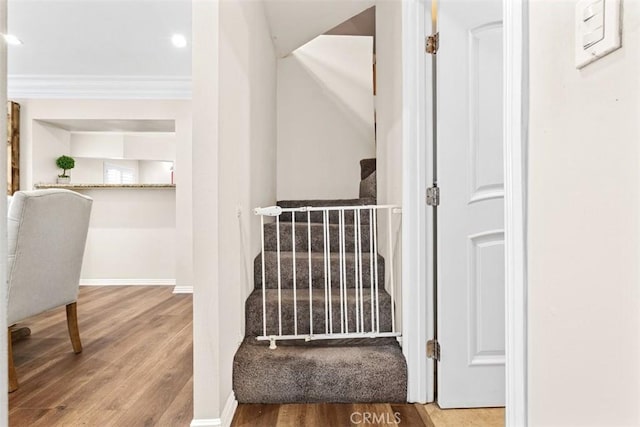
x=65 y=163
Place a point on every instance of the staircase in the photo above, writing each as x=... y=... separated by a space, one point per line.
x=329 y=370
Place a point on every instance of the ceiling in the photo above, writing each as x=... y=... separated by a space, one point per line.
x=363 y=24
x=293 y=23
x=99 y=38
x=122 y=48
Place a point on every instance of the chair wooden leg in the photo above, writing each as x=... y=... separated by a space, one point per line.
x=13 y=376
x=72 y=325
x=19 y=333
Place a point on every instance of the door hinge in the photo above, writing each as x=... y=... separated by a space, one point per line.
x=433 y=350
x=433 y=196
x=432 y=43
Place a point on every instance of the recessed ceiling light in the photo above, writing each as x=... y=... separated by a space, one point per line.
x=179 y=40
x=11 y=39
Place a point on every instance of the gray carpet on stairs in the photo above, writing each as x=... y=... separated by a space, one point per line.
x=317 y=270
x=317 y=237
x=254 y=311
x=312 y=373
x=367 y=167
x=368 y=187
x=317 y=217
x=342 y=370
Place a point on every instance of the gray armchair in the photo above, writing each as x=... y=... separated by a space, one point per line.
x=47 y=233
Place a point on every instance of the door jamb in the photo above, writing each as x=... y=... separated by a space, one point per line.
x=417 y=139
x=516 y=130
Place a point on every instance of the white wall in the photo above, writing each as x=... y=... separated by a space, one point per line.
x=91 y=171
x=247 y=158
x=150 y=146
x=124 y=145
x=584 y=232
x=41 y=144
x=49 y=142
x=154 y=172
x=325 y=117
x=389 y=128
x=234 y=171
x=207 y=398
x=106 y=145
x=132 y=235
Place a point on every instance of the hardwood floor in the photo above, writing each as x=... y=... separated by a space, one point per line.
x=338 y=415
x=481 y=417
x=330 y=414
x=135 y=368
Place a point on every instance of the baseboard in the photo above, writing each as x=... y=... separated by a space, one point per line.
x=183 y=289
x=229 y=410
x=208 y=422
x=225 y=418
x=125 y=282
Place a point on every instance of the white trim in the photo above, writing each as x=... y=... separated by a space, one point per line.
x=206 y=422
x=127 y=282
x=183 y=289
x=229 y=410
x=98 y=87
x=225 y=418
x=415 y=139
x=516 y=128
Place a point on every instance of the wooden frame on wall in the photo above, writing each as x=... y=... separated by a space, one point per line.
x=13 y=147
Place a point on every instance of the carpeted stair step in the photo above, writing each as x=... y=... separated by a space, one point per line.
x=301 y=374
x=317 y=237
x=367 y=167
x=317 y=216
x=317 y=269
x=253 y=311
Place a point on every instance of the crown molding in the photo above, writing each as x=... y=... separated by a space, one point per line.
x=98 y=87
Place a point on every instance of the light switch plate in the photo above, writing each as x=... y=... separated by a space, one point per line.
x=598 y=29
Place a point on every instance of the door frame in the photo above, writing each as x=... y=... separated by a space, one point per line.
x=416 y=241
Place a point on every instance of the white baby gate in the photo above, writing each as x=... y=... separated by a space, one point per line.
x=363 y=221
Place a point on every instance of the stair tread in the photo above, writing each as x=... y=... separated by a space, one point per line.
x=302 y=225
x=316 y=255
x=302 y=294
x=254 y=319
x=325 y=202
x=298 y=374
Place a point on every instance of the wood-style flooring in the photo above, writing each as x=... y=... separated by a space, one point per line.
x=135 y=368
x=382 y=414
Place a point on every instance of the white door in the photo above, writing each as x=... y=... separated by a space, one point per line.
x=471 y=372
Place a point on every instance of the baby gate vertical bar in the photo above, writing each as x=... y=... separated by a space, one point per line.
x=360 y=264
x=310 y=270
x=343 y=263
x=326 y=275
x=264 y=286
x=295 y=283
x=375 y=269
x=371 y=255
x=329 y=270
x=340 y=256
x=279 y=276
x=391 y=275
x=355 y=266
